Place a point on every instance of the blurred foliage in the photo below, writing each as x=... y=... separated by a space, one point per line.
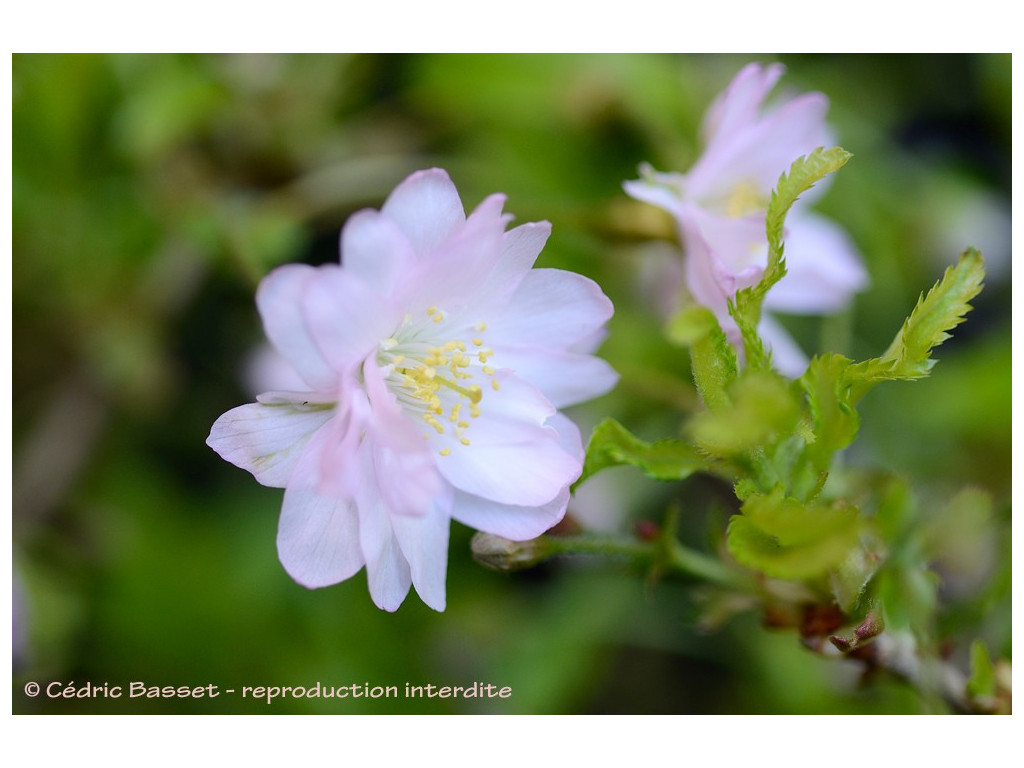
x=152 y=192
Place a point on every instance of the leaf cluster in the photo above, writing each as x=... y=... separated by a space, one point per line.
x=777 y=440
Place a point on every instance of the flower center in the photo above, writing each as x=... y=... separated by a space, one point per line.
x=745 y=198
x=436 y=378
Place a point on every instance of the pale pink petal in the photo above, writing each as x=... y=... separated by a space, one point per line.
x=520 y=523
x=375 y=250
x=661 y=189
x=702 y=272
x=279 y=300
x=337 y=443
x=267 y=439
x=528 y=474
x=823 y=268
x=552 y=307
x=387 y=570
x=519 y=250
x=735 y=249
x=409 y=482
x=424 y=543
x=346 y=318
x=512 y=522
x=565 y=378
x=318 y=536
x=387 y=574
x=739 y=103
x=427 y=207
x=452 y=277
x=568 y=435
x=508 y=460
x=589 y=343
x=763 y=151
x=267 y=369
x=511 y=414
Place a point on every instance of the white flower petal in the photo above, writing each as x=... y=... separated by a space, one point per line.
x=512 y=522
x=514 y=461
x=527 y=474
x=387 y=570
x=267 y=369
x=520 y=523
x=279 y=300
x=318 y=538
x=647 y=191
x=517 y=412
x=568 y=435
x=519 y=250
x=424 y=543
x=427 y=207
x=565 y=378
x=823 y=268
x=787 y=358
x=267 y=439
x=388 y=576
x=553 y=308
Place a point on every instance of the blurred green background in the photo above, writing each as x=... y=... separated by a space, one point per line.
x=152 y=192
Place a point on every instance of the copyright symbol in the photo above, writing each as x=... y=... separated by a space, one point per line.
x=32 y=689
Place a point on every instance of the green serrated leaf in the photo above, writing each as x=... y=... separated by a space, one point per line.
x=764 y=410
x=612 y=445
x=712 y=358
x=983 y=677
x=937 y=313
x=835 y=422
x=803 y=174
x=783 y=538
x=745 y=308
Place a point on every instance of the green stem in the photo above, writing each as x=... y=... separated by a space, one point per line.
x=700 y=566
x=666 y=554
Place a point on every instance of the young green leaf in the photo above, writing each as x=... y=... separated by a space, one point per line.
x=612 y=445
x=746 y=307
x=764 y=410
x=783 y=538
x=834 y=420
x=944 y=308
x=712 y=358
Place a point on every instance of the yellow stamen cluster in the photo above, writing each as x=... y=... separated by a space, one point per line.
x=745 y=198
x=426 y=377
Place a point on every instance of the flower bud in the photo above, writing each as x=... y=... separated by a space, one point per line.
x=501 y=554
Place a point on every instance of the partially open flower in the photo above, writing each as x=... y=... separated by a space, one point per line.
x=720 y=208
x=434 y=360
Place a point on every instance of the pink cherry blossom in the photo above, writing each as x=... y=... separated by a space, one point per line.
x=434 y=360
x=720 y=208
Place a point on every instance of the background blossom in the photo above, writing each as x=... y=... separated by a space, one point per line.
x=720 y=205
